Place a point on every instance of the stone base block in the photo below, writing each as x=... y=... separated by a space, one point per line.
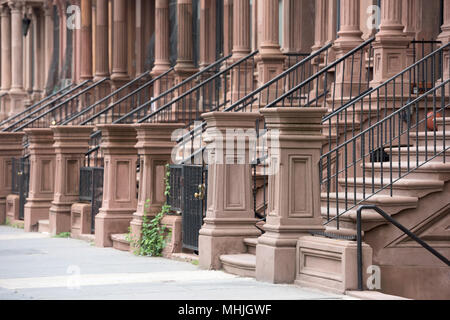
x=80 y=219
x=174 y=242
x=12 y=207
x=34 y=211
x=108 y=223
x=60 y=218
x=275 y=264
x=2 y=211
x=329 y=264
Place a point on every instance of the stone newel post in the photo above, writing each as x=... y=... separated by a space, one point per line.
x=119 y=182
x=230 y=217
x=10 y=147
x=294 y=189
x=42 y=176
x=154 y=146
x=71 y=145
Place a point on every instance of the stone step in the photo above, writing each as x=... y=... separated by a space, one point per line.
x=239 y=264
x=422 y=153
x=427 y=138
x=430 y=170
x=251 y=245
x=403 y=187
x=440 y=124
x=44 y=226
x=391 y=205
x=120 y=242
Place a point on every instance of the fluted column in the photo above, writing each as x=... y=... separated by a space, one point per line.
x=390 y=47
x=185 y=61
x=6 y=49
x=101 y=39
x=270 y=59
x=119 y=69
x=207 y=32
x=16 y=47
x=227 y=27
x=86 y=39
x=49 y=27
x=241 y=28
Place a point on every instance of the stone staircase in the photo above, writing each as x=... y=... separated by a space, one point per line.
x=243 y=264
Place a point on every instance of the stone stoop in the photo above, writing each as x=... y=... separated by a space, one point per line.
x=242 y=264
x=44 y=226
x=120 y=242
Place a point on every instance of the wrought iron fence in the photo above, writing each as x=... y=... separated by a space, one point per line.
x=91 y=189
x=21 y=181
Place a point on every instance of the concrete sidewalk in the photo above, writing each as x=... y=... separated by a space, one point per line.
x=37 y=266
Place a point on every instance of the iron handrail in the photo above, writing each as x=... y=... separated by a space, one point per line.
x=167 y=92
x=385 y=83
x=398 y=226
x=363 y=133
x=34 y=105
x=93 y=86
x=98 y=102
x=82 y=84
x=215 y=76
x=266 y=85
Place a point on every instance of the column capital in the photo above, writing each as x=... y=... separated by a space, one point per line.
x=5 y=11
x=15 y=6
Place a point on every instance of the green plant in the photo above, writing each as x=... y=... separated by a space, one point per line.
x=154 y=234
x=62 y=235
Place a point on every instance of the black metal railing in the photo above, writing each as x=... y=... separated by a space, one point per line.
x=41 y=107
x=54 y=97
x=65 y=109
x=174 y=198
x=361 y=130
x=21 y=181
x=399 y=226
x=91 y=189
x=406 y=148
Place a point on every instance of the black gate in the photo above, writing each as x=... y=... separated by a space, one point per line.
x=188 y=195
x=91 y=189
x=21 y=182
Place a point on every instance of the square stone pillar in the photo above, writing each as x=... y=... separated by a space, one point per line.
x=119 y=182
x=154 y=145
x=42 y=176
x=294 y=189
x=230 y=217
x=10 y=147
x=71 y=145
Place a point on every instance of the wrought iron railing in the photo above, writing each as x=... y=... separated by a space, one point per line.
x=65 y=109
x=91 y=189
x=360 y=131
x=20 y=182
x=41 y=107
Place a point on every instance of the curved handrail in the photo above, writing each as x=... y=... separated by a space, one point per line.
x=396 y=224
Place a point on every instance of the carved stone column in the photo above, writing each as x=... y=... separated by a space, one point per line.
x=270 y=59
x=71 y=145
x=242 y=78
x=5 y=60
x=207 y=32
x=349 y=38
x=227 y=27
x=120 y=67
x=101 y=39
x=42 y=176
x=10 y=147
x=162 y=48
x=154 y=147
x=294 y=189
x=48 y=42
x=86 y=39
x=119 y=182
x=444 y=36
x=185 y=61
x=17 y=93
x=391 y=43
x=230 y=217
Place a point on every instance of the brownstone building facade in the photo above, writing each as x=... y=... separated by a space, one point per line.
x=348 y=98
